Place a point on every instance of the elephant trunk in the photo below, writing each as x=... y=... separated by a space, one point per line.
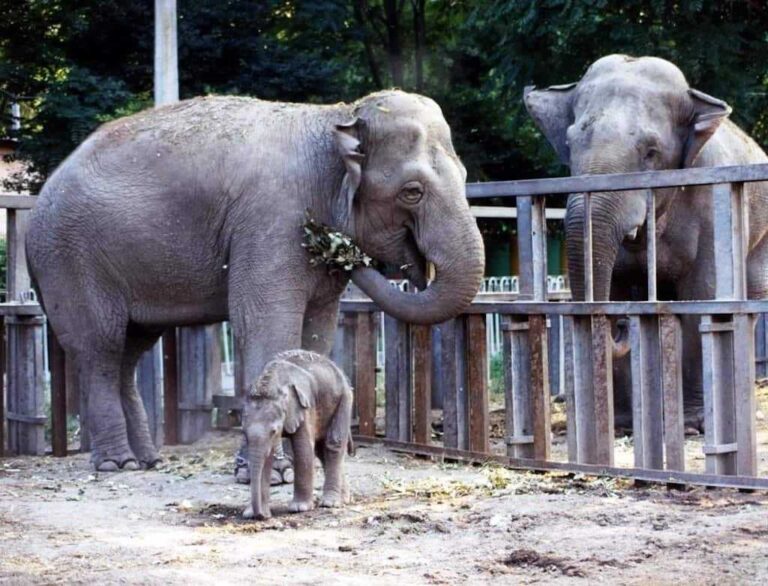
x=458 y=255
x=260 y=464
x=614 y=215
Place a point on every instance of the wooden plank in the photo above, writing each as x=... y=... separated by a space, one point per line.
x=15 y=201
x=589 y=294
x=481 y=305
x=17 y=277
x=397 y=379
x=479 y=418
x=602 y=382
x=149 y=382
x=422 y=384
x=365 y=373
x=452 y=357
x=21 y=309
x=650 y=250
x=620 y=182
x=569 y=389
x=506 y=212
x=171 y=388
x=2 y=386
x=539 y=387
x=554 y=341
x=583 y=391
x=671 y=341
x=745 y=401
x=525 y=247
x=647 y=411
x=660 y=476
x=740 y=239
x=717 y=370
x=57 y=367
x=26 y=386
x=539 y=247
x=519 y=409
x=725 y=287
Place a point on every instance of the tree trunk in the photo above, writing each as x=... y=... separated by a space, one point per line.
x=419 y=39
x=392 y=11
x=360 y=8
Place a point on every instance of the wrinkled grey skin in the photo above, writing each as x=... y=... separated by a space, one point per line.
x=192 y=213
x=636 y=114
x=304 y=396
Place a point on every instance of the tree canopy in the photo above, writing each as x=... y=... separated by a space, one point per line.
x=74 y=64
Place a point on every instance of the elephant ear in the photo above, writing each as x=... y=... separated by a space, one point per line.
x=708 y=114
x=298 y=393
x=347 y=137
x=552 y=110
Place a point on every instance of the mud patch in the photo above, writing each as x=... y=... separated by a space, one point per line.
x=526 y=558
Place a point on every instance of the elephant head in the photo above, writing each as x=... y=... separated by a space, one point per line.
x=277 y=403
x=626 y=114
x=404 y=189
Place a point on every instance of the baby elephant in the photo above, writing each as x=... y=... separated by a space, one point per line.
x=305 y=396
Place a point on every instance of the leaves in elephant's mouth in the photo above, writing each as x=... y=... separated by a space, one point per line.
x=332 y=248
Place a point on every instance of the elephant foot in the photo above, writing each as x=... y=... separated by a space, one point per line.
x=300 y=506
x=694 y=421
x=148 y=458
x=331 y=500
x=249 y=514
x=282 y=471
x=115 y=463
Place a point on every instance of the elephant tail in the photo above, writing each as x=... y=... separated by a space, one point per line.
x=351 y=445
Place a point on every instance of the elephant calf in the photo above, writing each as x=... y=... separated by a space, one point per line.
x=305 y=396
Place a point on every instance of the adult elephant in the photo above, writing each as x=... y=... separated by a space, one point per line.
x=639 y=114
x=192 y=214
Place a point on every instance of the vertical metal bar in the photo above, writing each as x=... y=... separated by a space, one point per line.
x=365 y=373
x=671 y=340
x=422 y=384
x=166 y=54
x=650 y=228
x=171 y=388
x=479 y=419
x=525 y=247
x=57 y=366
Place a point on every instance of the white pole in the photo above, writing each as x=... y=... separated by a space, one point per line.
x=166 y=58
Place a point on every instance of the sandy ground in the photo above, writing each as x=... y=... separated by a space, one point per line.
x=414 y=521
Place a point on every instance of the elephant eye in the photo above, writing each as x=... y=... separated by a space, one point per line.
x=411 y=193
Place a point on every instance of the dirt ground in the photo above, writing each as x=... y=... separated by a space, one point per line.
x=413 y=521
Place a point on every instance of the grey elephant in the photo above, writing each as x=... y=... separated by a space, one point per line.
x=305 y=396
x=192 y=213
x=636 y=114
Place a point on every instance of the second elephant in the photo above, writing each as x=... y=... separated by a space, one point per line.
x=639 y=114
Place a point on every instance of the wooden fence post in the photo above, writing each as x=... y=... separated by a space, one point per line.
x=171 y=388
x=149 y=381
x=199 y=351
x=647 y=392
x=479 y=419
x=365 y=372
x=57 y=365
x=397 y=379
x=422 y=384
x=518 y=412
x=453 y=384
x=26 y=385
x=2 y=386
x=672 y=389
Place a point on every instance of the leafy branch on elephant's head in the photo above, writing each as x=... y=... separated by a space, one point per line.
x=336 y=250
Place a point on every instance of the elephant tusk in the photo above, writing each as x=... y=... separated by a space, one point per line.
x=632 y=234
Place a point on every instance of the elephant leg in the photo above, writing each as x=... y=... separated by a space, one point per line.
x=319 y=330
x=333 y=466
x=757 y=271
x=139 y=435
x=304 y=464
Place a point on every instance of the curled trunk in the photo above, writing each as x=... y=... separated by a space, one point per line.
x=459 y=258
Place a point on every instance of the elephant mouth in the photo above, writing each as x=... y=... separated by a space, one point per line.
x=415 y=266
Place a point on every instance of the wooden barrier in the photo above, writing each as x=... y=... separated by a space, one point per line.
x=444 y=367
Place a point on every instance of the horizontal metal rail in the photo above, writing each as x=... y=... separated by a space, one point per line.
x=641 y=474
x=620 y=181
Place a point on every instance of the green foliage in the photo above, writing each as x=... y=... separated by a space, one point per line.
x=76 y=63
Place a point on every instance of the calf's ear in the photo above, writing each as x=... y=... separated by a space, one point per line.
x=552 y=111
x=298 y=392
x=708 y=114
